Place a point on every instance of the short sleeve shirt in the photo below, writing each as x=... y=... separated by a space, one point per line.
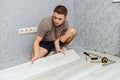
x=48 y=31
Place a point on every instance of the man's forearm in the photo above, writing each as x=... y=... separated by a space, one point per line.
x=36 y=44
x=57 y=46
x=56 y=43
x=36 y=47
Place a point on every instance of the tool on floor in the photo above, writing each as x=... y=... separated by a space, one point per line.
x=91 y=56
x=95 y=59
x=102 y=59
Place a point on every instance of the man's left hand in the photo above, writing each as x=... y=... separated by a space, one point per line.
x=60 y=51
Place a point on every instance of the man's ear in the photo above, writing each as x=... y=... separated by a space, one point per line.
x=65 y=17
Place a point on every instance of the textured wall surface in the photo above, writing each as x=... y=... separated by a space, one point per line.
x=98 y=25
x=16 y=14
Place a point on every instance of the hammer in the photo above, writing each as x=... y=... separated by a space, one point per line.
x=91 y=56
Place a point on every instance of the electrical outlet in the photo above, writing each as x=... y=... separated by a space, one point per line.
x=27 y=30
x=116 y=0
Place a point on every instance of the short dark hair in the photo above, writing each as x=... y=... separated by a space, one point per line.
x=60 y=9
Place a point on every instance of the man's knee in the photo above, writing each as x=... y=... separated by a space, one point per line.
x=72 y=31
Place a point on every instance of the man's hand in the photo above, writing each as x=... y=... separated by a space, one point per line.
x=60 y=51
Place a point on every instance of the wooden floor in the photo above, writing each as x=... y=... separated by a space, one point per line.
x=72 y=66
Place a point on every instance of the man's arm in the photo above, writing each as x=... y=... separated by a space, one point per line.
x=36 y=47
x=57 y=46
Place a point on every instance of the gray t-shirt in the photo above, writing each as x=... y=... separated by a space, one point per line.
x=48 y=31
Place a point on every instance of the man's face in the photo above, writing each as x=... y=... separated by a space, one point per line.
x=58 y=19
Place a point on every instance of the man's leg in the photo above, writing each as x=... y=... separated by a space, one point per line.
x=68 y=36
x=42 y=52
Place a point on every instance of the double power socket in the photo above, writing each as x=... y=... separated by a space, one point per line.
x=116 y=0
x=27 y=30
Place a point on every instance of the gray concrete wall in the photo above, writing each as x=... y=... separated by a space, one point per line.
x=16 y=14
x=98 y=25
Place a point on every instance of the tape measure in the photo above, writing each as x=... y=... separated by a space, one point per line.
x=104 y=60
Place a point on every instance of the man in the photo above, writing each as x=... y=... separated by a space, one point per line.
x=52 y=33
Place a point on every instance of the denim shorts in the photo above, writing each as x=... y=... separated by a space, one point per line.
x=49 y=45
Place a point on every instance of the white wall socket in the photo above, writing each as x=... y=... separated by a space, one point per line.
x=116 y=0
x=27 y=30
